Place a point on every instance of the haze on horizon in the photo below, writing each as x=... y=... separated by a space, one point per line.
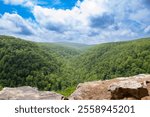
x=76 y=21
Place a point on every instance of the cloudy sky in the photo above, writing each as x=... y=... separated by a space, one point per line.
x=79 y=21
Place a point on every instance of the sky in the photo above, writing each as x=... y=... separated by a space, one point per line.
x=77 y=21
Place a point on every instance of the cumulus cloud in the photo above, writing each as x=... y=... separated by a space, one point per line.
x=102 y=21
x=77 y=15
x=89 y=21
x=97 y=19
x=27 y=3
x=15 y=24
x=70 y=23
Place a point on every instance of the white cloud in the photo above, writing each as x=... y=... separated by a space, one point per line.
x=127 y=19
x=74 y=22
x=26 y=3
x=29 y=4
x=15 y=24
x=77 y=15
x=93 y=7
x=147 y=29
x=7 y=25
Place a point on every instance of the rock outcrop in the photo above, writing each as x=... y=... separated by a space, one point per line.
x=124 y=89
x=128 y=88
x=28 y=93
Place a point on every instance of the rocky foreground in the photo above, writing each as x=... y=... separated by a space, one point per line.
x=123 y=88
x=28 y=93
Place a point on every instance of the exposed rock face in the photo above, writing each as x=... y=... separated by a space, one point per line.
x=124 y=89
x=146 y=98
x=91 y=91
x=127 y=88
x=28 y=93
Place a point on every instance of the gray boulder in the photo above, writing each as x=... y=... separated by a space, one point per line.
x=28 y=93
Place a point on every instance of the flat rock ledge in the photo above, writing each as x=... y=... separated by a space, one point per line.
x=28 y=93
x=122 y=88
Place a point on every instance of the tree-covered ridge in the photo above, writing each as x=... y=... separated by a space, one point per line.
x=61 y=67
x=78 y=46
x=110 y=60
x=60 y=50
x=24 y=63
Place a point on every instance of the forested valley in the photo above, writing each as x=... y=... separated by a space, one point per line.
x=61 y=67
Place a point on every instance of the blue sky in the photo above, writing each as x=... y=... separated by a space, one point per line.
x=79 y=21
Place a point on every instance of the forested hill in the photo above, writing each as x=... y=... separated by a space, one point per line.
x=110 y=60
x=28 y=63
x=61 y=67
x=73 y=45
x=60 y=50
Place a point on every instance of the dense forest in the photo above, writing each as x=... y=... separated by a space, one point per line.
x=61 y=66
x=110 y=60
x=35 y=64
